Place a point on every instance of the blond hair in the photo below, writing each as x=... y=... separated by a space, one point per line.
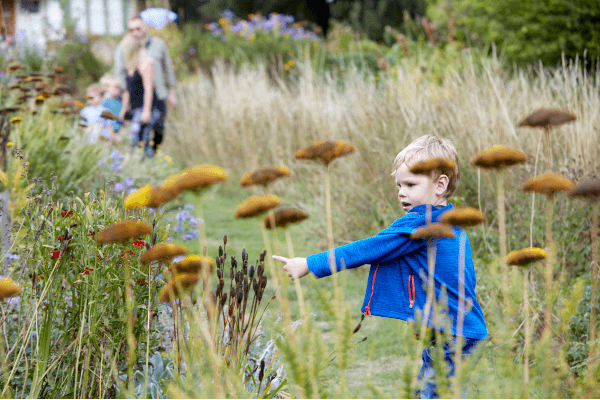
x=132 y=51
x=107 y=80
x=429 y=146
x=96 y=88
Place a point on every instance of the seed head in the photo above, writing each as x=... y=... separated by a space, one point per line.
x=547 y=184
x=79 y=104
x=8 y=110
x=8 y=288
x=122 y=231
x=14 y=67
x=58 y=69
x=256 y=205
x=195 y=177
x=286 y=216
x=194 y=264
x=526 y=256
x=264 y=176
x=162 y=252
x=547 y=117
x=589 y=189
x=108 y=115
x=427 y=166
x=39 y=99
x=433 y=231
x=498 y=157
x=325 y=151
x=463 y=216
x=170 y=291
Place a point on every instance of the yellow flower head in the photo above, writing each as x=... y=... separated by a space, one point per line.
x=139 y=198
x=325 y=151
x=193 y=264
x=222 y=21
x=39 y=99
x=547 y=184
x=16 y=120
x=433 y=231
x=463 y=216
x=8 y=288
x=286 y=67
x=78 y=104
x=498 y=157
x=162 y=252
x=256 y=205
x=264 y=176
x=195 y=177
x=526 y=256
x=122 y=231
x=433 y=164
x=284 y=217
x=169 y=159
x=9 y=144
x=58 y=69
x=291 y=63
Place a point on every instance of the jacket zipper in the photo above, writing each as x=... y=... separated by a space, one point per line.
x=368 y=307
x=411 y=290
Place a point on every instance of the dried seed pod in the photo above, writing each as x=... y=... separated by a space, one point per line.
x=498 y=157
x=255 y=285
x=256 y=205
x=325 y=151
x=589 y=189
x=225 y=240
x=263 y=282
x=356 y=329
x=548 y=184
x=218 y=262
x=260 y=271
x=525 y=256
x=285 y=217
x=220 y=251
x=240 y=297
x=122 y=231
x=433 y=231
x=547 y=117
x=463 y=216
x=162 y=252
x=264 y=176
x=223 y=300
x=261 y=372
x=219 y=274
x=198 y=176
x=251 y=272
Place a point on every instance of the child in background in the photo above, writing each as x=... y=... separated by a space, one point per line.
x=395 y=288
x=96 y=125
x=112 y=102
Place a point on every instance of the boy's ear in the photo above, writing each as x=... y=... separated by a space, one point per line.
x=441 y=185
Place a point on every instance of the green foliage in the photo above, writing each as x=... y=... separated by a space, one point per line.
x=526 y=31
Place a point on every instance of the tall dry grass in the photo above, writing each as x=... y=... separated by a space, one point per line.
x=246 y=119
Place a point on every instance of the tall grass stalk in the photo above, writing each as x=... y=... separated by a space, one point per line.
x=595 y=276
x=549 y=294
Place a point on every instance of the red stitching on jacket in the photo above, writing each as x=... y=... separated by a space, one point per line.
x=411 y=293
x=368 y=307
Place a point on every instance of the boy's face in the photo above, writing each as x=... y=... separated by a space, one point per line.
x=414 y=190
x=94 y=98
x=113 y=90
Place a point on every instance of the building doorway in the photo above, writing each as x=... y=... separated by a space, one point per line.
x=8 y=17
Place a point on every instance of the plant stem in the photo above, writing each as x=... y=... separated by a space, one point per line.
x=145 y=393
x=594 y=276
x=130 y=338
x=328 y=208
x=527 y=333
x=461 y=313
x=549 y=263
x=288 y=238
x=502 y=232
x=202 y=239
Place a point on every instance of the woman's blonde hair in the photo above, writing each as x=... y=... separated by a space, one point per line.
x=429 y=146
x=132 y=51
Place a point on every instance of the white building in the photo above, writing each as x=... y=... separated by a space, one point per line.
x=36 y=21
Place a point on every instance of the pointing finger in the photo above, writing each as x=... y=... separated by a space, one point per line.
x=282 y=259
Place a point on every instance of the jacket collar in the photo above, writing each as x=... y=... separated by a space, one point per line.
x=436 y=211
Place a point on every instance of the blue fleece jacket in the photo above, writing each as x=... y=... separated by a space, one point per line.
x=397 y=284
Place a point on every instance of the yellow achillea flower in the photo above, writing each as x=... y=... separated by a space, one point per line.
x=547 y=184
x=463 y=216
x=58 y=69
x=195 y=177
x=122 y=231
x=433 y=231
x=65 y=104
x=498 y=157
x=10 y=144
x=193 y=264
x=39 y=99
x=264 y=176
x=78 y=104
x=326 y=151
x=587 y=189
x=432 y=164
x=547 y=117
x=162 y=252
x=16 y=120
x=256 y=205
x=525 y=256
x=139 y=198
x=284 y=217
x=8 y=288
x=170 y=291
x=14 y=67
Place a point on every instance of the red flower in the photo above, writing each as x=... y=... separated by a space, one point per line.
x=87 y=271
x=139 y=243
x=100 y=257
x=59 y=238
x=66 y=213
x=56 y=254
x=92 y=233
x=141 y=282
x=72 y=258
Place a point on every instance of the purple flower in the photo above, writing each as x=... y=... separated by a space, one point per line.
x=187 y=236
x=182 y=215
x=130 y=191
x=194 y=234
x=189 y=206
x=227 y=14
x=119 y=187
x=12 y=256
x=193 y=221
x=129 y=182
x=116 y=155
x=100 y=163
x=178 y=229
x=169 y=239
x=178 y=259
x=116 y=165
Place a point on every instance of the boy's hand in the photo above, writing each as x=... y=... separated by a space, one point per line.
x=295 y=267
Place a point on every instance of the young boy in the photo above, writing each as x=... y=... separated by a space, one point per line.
x=91 y=117
x=395 y=287
x=112 y=102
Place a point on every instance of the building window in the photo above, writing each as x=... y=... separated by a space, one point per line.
x=32 y=6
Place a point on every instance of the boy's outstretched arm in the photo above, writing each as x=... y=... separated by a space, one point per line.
x=295 y=267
